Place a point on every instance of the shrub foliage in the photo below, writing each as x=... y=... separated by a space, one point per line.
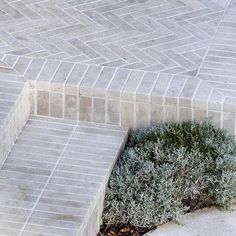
x=168 y=170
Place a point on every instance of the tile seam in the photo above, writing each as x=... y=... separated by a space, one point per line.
x=47 y=182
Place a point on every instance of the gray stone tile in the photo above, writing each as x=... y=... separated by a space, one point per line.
x=188 y=92
x=56 y=109
x=113 y=112
x=46 y=74
x=156 y=115
x=127 y=114
x=49 y=230
x=89 y=80
x=98 y=110
x=128 y=92
x=117 y=83
x=170 y=114
x=215 y=118
x=199 y=115
x=85 y=108
x=52 y=178
x=229 y=122
x=185 y=114
x=142 y=115
x=160 y=89
x=128 y=63
x=99 y=89
x=71 y=107
x=43 y=103
x=60 y=77
x=76 y=75
x=145 y=87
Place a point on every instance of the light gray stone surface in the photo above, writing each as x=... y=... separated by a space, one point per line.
x=206 y=222
x=53 y=181
x=168 y=36
x=129 y=63
x=14 y=111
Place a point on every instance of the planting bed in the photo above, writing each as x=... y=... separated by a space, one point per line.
x=169 y=170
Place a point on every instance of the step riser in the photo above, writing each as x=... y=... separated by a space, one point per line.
x=127 y=109
x=92 y=225
x=16 y=120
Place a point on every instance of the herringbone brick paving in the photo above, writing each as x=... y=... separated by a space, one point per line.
x=53 y=183
x=170 y=36
x=163 y=60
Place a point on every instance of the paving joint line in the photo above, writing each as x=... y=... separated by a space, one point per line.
x=48 y=180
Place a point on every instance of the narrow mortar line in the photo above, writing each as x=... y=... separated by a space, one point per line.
x=47 y=182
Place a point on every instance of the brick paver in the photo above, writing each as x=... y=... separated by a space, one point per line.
x=14 y=110
x=169 y=60
x=53 y=181
x=163 y=36
x=128 y=63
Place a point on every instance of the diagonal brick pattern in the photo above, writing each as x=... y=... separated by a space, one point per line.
x=219 y=67
x=169 y=60
x=168 y=36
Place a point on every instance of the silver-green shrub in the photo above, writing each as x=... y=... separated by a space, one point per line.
x=168 y=170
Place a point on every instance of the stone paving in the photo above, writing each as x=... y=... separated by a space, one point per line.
x=94 y=60
x=14 y=111
x=53 y=182
x=111 y=63
x=169 y=36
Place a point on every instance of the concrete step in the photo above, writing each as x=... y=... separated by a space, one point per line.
x=14 y=111
x=53 y=180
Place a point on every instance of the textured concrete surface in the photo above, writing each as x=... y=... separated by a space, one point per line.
x=53 y=181
x=170 y=60
x=207 y=222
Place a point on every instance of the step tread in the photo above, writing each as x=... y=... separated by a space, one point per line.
x=58 y=195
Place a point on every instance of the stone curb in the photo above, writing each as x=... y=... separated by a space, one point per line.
x=205 y=222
